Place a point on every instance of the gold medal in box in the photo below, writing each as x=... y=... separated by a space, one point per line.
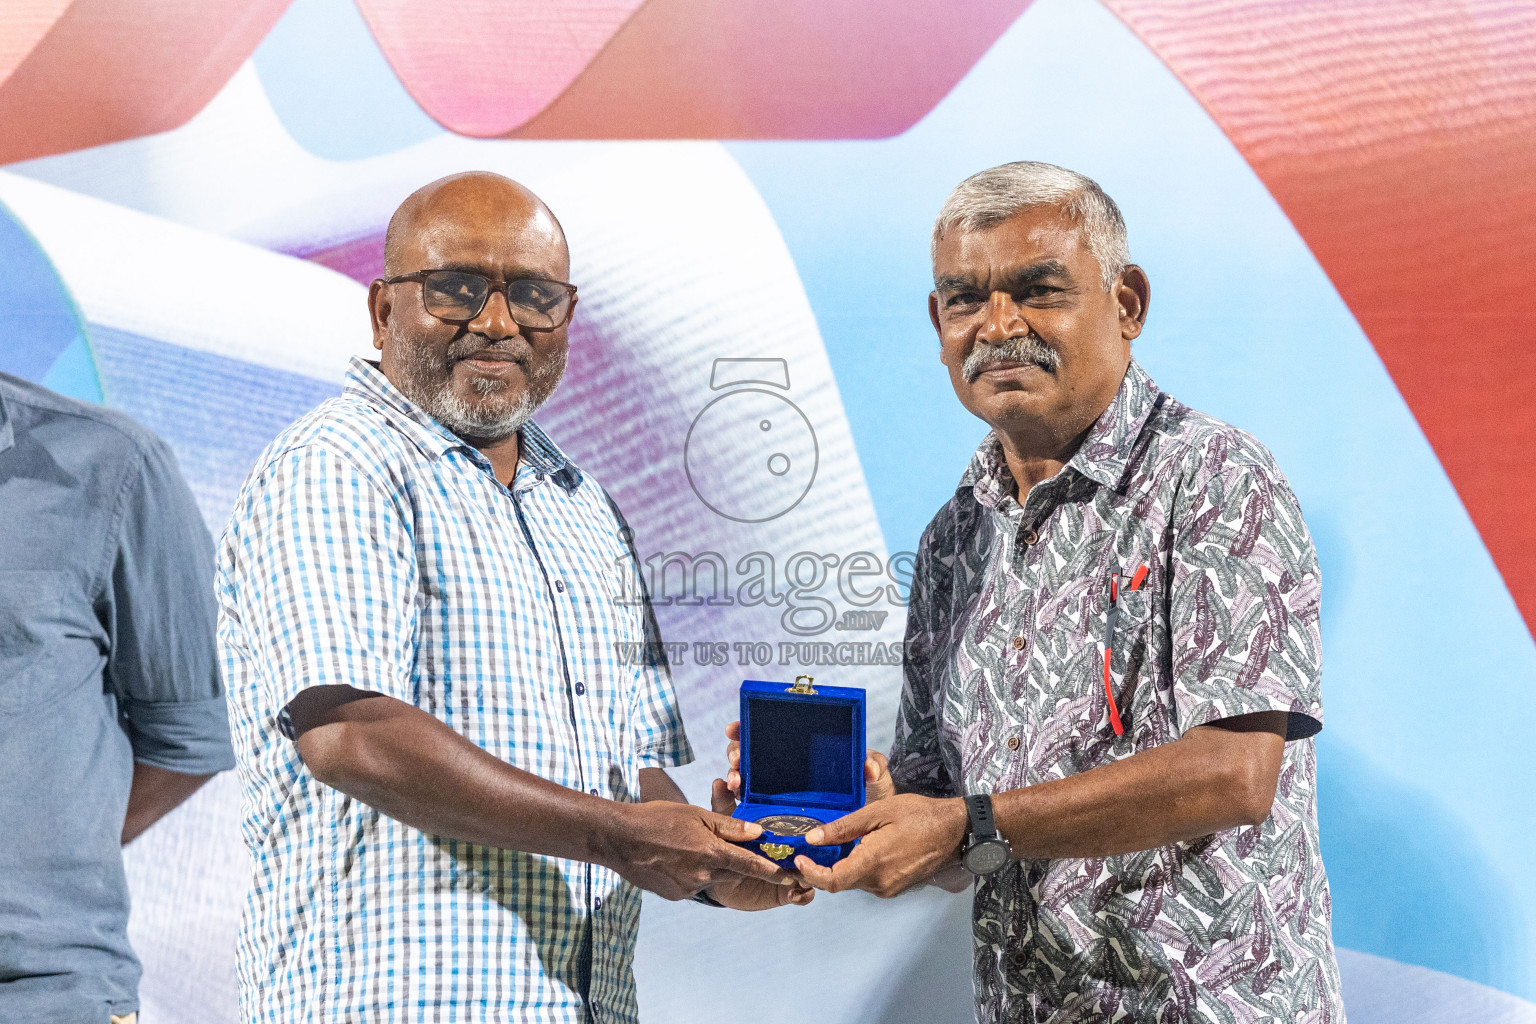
x=802 y=764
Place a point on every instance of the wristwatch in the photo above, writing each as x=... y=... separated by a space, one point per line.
x=985 y=850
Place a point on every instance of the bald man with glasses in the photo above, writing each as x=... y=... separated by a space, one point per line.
x=454 y=788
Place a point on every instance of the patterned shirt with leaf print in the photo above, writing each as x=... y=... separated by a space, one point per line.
x=1005 y=688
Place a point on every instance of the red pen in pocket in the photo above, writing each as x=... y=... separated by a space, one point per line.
x=1110 y=622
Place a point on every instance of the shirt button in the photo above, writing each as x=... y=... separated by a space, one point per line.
x=1030 y=536
x=1013 y=743
x=597 y=903
x=580 y=689
x=560 y=586
x=1018 y=643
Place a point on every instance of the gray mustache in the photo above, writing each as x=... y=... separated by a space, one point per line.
x=473 y=344
x=1028 y=349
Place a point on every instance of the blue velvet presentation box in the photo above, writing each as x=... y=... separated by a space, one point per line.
x=802 y=764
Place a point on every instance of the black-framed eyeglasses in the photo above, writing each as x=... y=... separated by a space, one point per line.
x=458 y=296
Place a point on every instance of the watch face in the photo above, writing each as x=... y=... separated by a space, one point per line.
x=788 y=824
x=986 y=856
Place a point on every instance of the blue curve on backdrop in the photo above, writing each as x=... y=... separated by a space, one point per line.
x=41 y=335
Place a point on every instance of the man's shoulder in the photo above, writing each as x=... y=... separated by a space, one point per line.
x=950 y=530
x=1199 y=444
x=941 y=528
x=53 y=418
x=347 y=427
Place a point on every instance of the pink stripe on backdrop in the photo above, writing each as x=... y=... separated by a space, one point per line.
x=88 y=72
x=361 y=259
x=22 y=27
x=711 y=69
x=96 y=71
x=485 y=67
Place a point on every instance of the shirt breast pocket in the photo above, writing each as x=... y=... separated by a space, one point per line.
x=627 y=595
x=1135 y=610
x=31 y=636
x=1132 y=630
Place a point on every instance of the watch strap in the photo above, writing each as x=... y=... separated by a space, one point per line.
x=978 y=808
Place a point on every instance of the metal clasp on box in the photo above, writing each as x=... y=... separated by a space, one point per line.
x=802 y=685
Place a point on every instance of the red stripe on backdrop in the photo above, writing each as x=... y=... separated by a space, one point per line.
x=1401 y=141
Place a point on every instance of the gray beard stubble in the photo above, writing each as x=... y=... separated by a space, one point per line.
x=428 y=381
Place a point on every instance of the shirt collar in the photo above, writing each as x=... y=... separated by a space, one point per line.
x=365 y=380
x=1103 y=456
x=1106 y=451
x=545 y=456
x=987 y=477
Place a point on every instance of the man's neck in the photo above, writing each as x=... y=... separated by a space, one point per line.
x=504 y=455
x=1035 y=455
x=1037 y=449
x=1029 y=469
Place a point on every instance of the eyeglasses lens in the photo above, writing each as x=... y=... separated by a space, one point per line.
x=459 y=297
x=536 y=303
x=450 y=295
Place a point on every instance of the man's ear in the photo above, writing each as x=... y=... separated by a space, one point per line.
x=933 y=318
x=1134 y=294
x=379 y=308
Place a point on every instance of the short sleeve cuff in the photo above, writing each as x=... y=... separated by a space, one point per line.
x=1219 y=702
x=181 y=736
x=668 y=755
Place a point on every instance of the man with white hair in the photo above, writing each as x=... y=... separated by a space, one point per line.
x=454 y=787
x=1113 y=667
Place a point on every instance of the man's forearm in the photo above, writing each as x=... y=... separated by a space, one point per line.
x=1213 y=778
x=153 y=794
x=656 y=784
x=405 y=763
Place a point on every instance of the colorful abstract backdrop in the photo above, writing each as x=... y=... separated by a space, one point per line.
x=1335 y=201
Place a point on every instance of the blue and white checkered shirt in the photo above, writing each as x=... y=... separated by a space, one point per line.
x=372 y=548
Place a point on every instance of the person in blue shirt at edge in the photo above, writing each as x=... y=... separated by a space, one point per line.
x=1113 y=657
x=444 y=760
x=111 y=710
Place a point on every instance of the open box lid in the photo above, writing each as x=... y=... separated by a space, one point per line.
x=802 y=745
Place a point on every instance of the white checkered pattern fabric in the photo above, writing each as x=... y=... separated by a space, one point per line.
x=372 y=548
